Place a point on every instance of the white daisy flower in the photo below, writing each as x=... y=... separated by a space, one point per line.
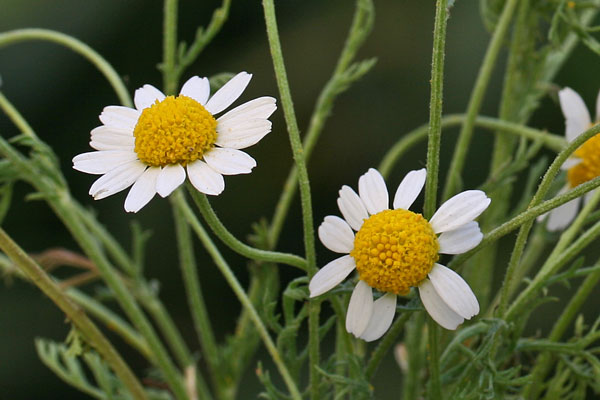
x=583 y=165
x=153 y=145
x=394 y=250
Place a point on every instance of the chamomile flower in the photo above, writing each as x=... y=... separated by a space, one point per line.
x=164 y=138
x=584 y=164
x=396 y=249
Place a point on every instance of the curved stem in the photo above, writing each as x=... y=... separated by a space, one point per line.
x=485 y=72
x=233 y=243
x=384 y=345
x=247 y=304
x=21 y=35
x=74 y=313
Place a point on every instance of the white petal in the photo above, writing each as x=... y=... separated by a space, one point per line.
x=373 y=192
x=229 y=161
x=107 y=141
x=262 y=108
x=562 y=216
x=142 y=191
x=196 y=88
x=205 y=179
x=576 y=113
x=239 y=134
x=384 y=309
x=120 y=117
x=570 y=163
x=100 y=162
x=331 y=275
x=169 y=179
x=146 y=96
x=352 y=207
x=110 y=130
x=229 y=93
x=117 y=179
x=437 y=309
x=460 y=240
x=360 y=309
x=459 y=210
x=455 y=292
x=336 y=234
x=409 y=189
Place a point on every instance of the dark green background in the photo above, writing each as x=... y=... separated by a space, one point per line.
x=61 y=95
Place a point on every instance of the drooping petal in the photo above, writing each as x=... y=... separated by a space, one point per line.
x=120 y=117
x=352 y=207
x=577 y=117
x=384 y=309
x=360 y=309
x=229 y=93
x=562 y=216
x=373 y=192
x=243 y=133
x=146 y=96
x=171 y=176
x=336 y=234
x=437 y=308
x=204 y=178
x=143 y=190
x=100 y=162
x=459 y=210
x=460 y=240
x=455 y=292
x=331 y=275
x=112 y=142
x=229 y=161
x=196 y=88
x=409 y=189
x=117 y=179
x=261 y=107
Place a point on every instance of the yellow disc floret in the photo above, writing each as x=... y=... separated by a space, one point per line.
x=177 y=130
x=395 y=250
x=589 y=167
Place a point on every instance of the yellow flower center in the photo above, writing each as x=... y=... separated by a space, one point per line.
x=177 y=130
x=589 y=167
x=395 y=250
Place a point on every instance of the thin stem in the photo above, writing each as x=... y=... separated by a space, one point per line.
x=247 y=304
x=74 y=313
x=233 y=243
x=435 y=107
x=305 y=196
x=21 y=35
x=489 y=61
x=169 y=46
x=385 y=344
x=435 y=391
x=183 y=216
x=552 y=141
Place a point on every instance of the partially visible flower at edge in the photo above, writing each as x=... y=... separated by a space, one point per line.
x=583 y=165
x=153 y=145
x=394 y=250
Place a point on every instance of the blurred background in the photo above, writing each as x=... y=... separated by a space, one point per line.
x=61 y=95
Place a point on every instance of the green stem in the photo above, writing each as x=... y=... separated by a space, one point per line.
x=305 y=196
x=386 y=343
x=435 y=390
x=435 y=107
x=485 y=72
x=21 y=35
x=183 y=216
x=233 y=243
x=247 y=304
x=93 y=335
x=552 y=141
x=168 y=66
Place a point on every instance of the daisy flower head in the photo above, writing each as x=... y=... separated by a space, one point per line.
x=396 y=249
x=584 y=164
x=164 y=138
